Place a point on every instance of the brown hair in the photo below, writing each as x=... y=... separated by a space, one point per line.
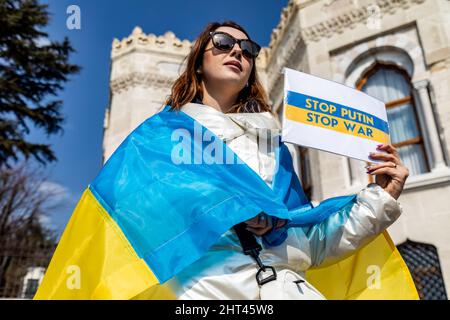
x=187 y=88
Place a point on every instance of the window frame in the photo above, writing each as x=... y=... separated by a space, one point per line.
x=361 y=82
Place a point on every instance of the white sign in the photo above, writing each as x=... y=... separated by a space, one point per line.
x=329 y=116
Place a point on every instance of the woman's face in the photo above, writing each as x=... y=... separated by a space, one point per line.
x=217 y=71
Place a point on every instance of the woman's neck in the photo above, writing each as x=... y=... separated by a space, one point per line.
x=218 y=99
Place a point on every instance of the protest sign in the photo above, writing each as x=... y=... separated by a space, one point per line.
x=329 y=116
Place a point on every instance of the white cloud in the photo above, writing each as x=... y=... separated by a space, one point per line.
x=42 y=41
x=45 y=220
x=61 y=203
x=59 y=193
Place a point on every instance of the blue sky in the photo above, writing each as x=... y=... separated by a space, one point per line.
x=86 y=95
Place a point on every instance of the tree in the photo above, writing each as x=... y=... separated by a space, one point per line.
x=32 y=71
x=23 y=203
x=25 y=241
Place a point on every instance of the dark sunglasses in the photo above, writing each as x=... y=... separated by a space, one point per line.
x=225 y=42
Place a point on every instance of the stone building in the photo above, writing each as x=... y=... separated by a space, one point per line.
x=395 y=50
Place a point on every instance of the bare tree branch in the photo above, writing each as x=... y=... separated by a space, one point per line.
x=23 y=204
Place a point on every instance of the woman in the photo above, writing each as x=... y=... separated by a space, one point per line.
x=220 y=89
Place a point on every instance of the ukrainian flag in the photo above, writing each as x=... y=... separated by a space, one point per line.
x=144 y=219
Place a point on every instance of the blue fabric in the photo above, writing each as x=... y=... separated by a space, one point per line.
x=172 y=213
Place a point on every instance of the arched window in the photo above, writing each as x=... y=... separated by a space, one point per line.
x=423 y=262
x=392 y=85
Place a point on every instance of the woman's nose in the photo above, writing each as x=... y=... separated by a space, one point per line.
x=236 y=50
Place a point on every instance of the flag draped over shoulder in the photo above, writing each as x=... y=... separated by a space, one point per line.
x=147 y=216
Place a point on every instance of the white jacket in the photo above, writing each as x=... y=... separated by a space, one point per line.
x=225 y=272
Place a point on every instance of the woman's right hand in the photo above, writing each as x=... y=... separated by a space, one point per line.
x=262 y=223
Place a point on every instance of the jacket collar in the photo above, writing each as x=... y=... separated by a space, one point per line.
x=228 y=126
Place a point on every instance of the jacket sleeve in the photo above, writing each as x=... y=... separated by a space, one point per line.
x=353 y=226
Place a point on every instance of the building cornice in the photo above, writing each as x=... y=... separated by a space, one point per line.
x=349 y=19
x=146 y=79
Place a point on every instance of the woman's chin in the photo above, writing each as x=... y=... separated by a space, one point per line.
x=229 y=79
x=234 y=80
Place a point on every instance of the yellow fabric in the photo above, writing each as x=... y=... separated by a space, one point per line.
x=157 y=292
x=356 y=276
x=94 y=260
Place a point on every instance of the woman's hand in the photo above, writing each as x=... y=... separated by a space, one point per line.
x=390 y=175
x=262 y=223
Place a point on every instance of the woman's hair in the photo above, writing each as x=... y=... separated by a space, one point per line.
x=187 y=88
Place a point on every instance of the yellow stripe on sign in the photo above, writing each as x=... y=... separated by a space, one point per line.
x=329 y=122
x=94 y=259
x=374 y=272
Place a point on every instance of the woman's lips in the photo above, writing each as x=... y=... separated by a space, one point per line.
x=233 y=67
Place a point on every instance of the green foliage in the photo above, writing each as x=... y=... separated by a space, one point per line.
x=32 y=72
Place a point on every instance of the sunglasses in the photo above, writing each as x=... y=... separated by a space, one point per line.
x=225 y=42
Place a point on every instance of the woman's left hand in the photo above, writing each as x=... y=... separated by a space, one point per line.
x=390 y=175
x=262 y=223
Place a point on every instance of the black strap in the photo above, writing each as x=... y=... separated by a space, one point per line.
x=251 y=247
